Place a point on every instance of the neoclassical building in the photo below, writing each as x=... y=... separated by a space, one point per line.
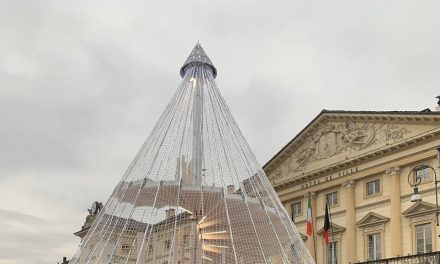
x=360 y=162
x=130 y=250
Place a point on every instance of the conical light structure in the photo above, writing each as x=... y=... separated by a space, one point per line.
x=195 y=192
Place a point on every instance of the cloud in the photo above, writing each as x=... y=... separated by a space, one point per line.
x=26 y=236
x=83 y=83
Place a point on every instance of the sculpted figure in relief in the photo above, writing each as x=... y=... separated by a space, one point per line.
x=308 y=151
x=334 y=138
x=358 y=137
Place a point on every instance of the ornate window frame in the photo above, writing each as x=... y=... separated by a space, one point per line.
x=336 y=236
x=373 y=223
x=382 y=242
x=421 y=213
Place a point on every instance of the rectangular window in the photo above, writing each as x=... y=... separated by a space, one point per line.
x=332 y=253
x=125 y=248
x=423 y=175
x=186 y=240
x=332 y=198
x=167 y=244
x=373 y=187
x=374 y=247
x=424 y=238
x=296 y=210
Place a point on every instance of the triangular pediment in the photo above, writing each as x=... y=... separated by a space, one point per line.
x=303 y=237
x=333 y=228
x=419 y=208
x=338 y=136
x=372 y=219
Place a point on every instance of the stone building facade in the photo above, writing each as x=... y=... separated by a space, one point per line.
x=162 y=235
x=360 y=162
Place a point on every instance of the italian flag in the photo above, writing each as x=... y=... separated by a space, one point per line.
x=309 y=215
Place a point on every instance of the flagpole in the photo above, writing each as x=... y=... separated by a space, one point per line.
x=331 y=223
x=310 y=222
x=313 y=235
x=331 y=226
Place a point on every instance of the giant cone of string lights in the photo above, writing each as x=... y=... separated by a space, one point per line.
x=195 y=192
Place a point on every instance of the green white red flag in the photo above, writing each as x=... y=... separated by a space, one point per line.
x=309 y=216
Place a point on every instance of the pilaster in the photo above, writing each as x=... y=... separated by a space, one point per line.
x=350 y=231
x=396 y=218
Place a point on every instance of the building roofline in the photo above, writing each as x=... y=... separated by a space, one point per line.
x=426 y=112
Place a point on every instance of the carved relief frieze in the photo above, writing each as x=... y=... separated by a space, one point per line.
x=394 y=132
x=335 y=138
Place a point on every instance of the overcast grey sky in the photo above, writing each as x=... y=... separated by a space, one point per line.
x=82 y=83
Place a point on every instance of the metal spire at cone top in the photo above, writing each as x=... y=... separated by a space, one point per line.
x=194 y=193
x=198 y=57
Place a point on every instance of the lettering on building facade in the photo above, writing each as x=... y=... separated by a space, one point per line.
x=329 y=177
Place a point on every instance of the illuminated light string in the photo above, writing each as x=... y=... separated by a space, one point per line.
x=195 y=187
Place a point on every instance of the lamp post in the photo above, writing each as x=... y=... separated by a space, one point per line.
x=417 y=179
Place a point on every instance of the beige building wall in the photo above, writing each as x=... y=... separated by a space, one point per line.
x=157 y=250
x=340 y=151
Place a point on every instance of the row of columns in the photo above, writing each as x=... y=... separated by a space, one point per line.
x=350 y=208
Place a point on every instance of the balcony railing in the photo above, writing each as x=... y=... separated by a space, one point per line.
x=428 y=258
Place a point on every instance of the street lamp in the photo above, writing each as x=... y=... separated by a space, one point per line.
x=417 y=179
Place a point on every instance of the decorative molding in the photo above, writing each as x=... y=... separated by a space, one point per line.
x=422 y=218
x=337 y=166
x=393 y=170
x=354 y=116
x=407 y=197
x=303 y=237
x=298 y=223
x=312 y=195
x=374 y=205
x=372 y=219
x=348 y=184
x=419 y=208
x=334 y=138
x=334 y=214
x=336 y=229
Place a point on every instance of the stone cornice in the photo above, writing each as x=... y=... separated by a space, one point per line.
x=355 y=160
x=303 y=237
x=333 y=214
x=373 y=205
x=313 y=126
x=407 y=197
x=82 y=231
